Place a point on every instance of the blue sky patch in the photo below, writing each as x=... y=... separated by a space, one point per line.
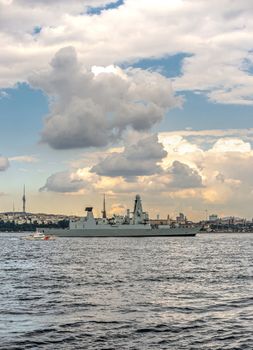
x=247 y=66
x=200 y=114
x=36 y=30
x=169 y=66
x=21 y=116
x=109 y=6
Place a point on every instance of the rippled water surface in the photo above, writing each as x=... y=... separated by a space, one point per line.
x=127 y=293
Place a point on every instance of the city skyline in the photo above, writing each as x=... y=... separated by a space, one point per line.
x=20 y=217
x=126 y=97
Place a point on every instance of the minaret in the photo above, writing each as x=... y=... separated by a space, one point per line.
x=104 y=210
x=24 y=200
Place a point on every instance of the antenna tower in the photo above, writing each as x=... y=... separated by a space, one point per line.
x=104 y=210
x=24 y=200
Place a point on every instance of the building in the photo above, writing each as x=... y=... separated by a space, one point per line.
x=213 y=218
x=181 y=219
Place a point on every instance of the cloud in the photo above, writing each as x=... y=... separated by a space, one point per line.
x=177 y=178
x=3 y=94
x=231 y=145
x=24 y=159
x=63 y=182
x=198 y=140
x=183 y=176
x=118 y=209
x=42 y=13
x=191 y=177
x=216 y=195
x=223 y=170
x=4 y=163
x=220 y=177
x=94 y=109
x=136 y=160
x=63 y=3
x=219 y=32
x=212 y=133
x=136 y=167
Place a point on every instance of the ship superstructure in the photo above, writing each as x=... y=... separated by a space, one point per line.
x=139 y=216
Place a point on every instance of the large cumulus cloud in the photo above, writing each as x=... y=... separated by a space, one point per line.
x=140 y=159
x=93 y=108
x=137 y=167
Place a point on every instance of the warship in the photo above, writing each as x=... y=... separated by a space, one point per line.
x=135 y=224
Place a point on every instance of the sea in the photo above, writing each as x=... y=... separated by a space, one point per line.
x=127 y=293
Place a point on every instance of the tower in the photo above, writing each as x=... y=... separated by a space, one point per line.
x=138 y=213
x=104 y=210
x=24 y=200
x=139 y=216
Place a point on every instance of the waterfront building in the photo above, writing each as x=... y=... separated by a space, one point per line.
x=213 y=217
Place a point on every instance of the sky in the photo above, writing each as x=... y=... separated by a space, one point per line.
x=126 y=97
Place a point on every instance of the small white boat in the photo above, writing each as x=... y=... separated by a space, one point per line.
x=39 y=236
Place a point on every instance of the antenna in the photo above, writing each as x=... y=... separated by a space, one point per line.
x=24 y=200
x=104 y=210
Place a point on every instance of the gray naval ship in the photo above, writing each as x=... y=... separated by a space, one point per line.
x=135 y=224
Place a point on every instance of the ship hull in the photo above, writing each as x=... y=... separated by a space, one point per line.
x=114 y=232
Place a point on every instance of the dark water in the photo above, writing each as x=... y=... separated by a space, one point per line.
x=127 y=293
